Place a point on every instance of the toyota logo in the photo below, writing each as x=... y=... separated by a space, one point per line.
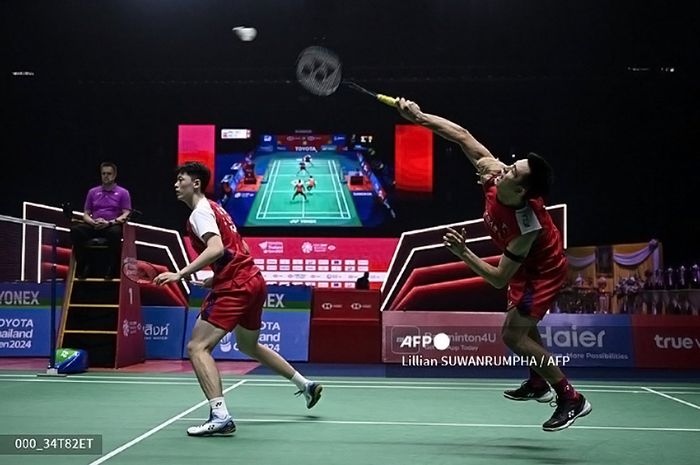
x=326 y=305
x=356 y=306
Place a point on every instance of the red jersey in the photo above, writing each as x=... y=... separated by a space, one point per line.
x=299 y=188
x=504 y=223
x=236 y=266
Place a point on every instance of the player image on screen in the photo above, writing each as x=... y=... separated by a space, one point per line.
x=327 y=165
x=310 y=184
x=299 y=190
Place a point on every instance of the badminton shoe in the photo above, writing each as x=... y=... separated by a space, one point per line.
x=214 y=425
x=527 y=392
x=567 y=411
x=312 y=393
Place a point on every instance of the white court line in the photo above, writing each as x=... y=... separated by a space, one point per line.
x=336 y=173
x=152 y=431
x=273 y=175
x=262 y=197
x=379 y=381
x=272 y=187
x=70 y=380
x=438 y=388
x=340 y=208
x=336 y=177
x=449 y=425
x=285 y=384
x=680 y=401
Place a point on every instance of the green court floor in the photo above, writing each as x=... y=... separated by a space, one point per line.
x=142 y=419
x=329 y=204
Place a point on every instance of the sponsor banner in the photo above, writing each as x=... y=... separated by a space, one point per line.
x=666 y=341
x=305 y=142
x=346 y=304
x=443 y=338
x=287 y=333
x=24 y=332
x=164 y=330
x=285 y=326
x=33 y=295
x=322 y=262
x=589 y=340
x=280 y=298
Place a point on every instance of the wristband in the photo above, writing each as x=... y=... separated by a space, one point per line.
x=512 y=256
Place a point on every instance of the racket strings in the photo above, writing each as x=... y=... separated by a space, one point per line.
x=319 y=71
x=140 y=271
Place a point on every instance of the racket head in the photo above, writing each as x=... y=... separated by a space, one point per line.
x=139 y=271
x=319 y=70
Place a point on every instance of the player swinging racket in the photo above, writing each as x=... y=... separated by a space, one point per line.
x=310 y=184
x=533 y=264
x=235 y=302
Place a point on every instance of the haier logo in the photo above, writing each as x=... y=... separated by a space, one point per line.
x=676 y=342
x=569 y=338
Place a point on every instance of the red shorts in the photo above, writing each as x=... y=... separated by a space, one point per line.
x=533 y=297
x=238 y=306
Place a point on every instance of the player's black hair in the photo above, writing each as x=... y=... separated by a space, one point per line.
x=195 y=170
x=539 y=181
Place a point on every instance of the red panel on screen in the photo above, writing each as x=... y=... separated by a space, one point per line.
x=320 y=261
x=196 y=142
x=414 y=158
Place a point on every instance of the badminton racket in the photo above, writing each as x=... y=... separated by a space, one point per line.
x=139 y=271
x=319 y=71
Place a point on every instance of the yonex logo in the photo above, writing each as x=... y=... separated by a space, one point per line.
x=356 y=305
x=326 y=305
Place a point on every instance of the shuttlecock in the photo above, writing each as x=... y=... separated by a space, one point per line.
x=246 y=34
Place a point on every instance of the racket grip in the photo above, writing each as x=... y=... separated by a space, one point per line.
x=386 y=100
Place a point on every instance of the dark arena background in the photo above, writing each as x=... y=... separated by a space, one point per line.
x=606 y=91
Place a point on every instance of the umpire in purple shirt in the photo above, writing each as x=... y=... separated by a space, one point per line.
x=107 y=208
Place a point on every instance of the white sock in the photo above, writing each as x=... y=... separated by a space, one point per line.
x=218 y=407
x=299 y=380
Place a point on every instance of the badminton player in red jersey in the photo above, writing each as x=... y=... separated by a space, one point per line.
x=533 y=264
x=235 y=302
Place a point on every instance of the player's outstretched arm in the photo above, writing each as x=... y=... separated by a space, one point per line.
x=446 y=129
x=497 y=276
